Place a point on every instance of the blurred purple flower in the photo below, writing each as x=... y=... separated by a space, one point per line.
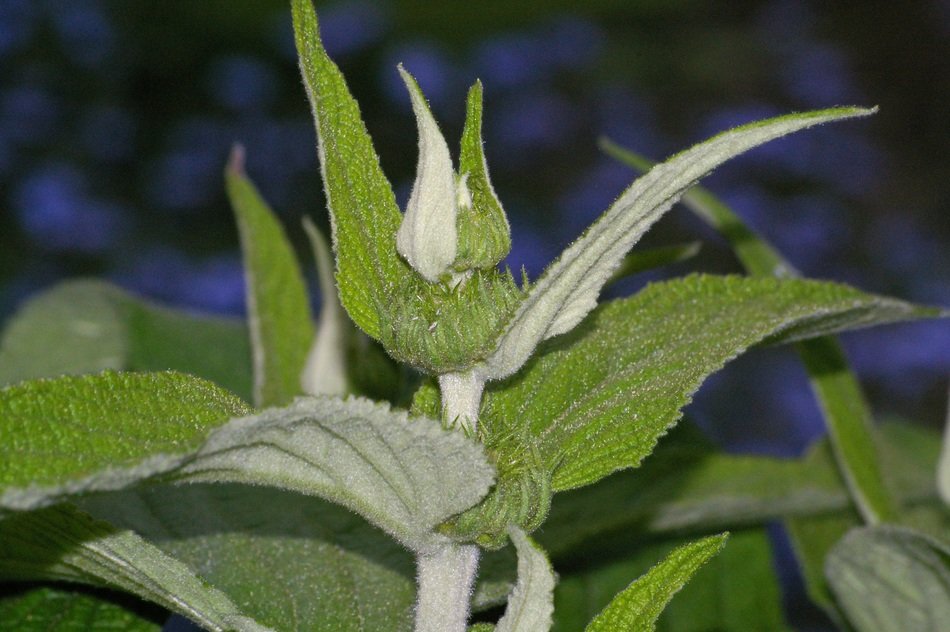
x=242 y=83
x=55 y=209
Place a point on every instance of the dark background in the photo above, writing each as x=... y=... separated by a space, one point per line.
x=116 y=117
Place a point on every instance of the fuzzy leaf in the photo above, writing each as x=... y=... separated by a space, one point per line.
x=686 y=485
x=484 y=237
x=637 y=608
x=750 y=599
x=325 y=370
x=87 y=326
x=364 y=216
x=599 y=400
x=278 y=309
x=891 y=579
x=295 y=563
x=568 y=289
x=427 y=237
x=76 y=434
x=62 y=610
x=63 y=543
x=839 y=394
x=405 y=477
x=531 y=602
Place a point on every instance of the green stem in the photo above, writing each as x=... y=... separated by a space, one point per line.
x=461 y=398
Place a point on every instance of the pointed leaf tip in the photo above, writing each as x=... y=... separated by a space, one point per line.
x=427 y=237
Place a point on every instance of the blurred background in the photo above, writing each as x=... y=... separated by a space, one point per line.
x=116 y=117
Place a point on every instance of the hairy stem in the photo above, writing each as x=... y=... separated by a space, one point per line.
x=446 y=580
x=446 y=577
x=461 y=398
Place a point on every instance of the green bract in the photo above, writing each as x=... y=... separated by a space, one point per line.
x=130 y=459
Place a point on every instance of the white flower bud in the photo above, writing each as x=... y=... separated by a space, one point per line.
x=427 y=237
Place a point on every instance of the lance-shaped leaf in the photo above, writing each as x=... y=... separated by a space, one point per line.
x=839 y=394
x=427 y=237
x=891 y=579
x=69 y=610
x=750 y=599
x=278 y=309
x=70 y=435
x=568 y=289
x=63 y=543
x=637 y=608
x=247 y=541
x=403 y=476
x=598 y=400
x=687 y=485
x=325 y=370
x=484 y=237
x=531 y=602
x=364 y=216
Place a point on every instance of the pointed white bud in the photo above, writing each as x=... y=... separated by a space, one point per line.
x=428 y=237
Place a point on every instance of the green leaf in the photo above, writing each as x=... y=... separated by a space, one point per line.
x=278 y=309
x=736 y=590
x=688 y=486
x=325 y=371
x=598 y=400
x=846 y=412
x=531 y=602
x=295 y=563
x=891 y=579
x=64 y=543
x=568 y=289
x=87 y=326
x=73 y=434
x=640 y=604
x=363 y=211
x=61 y=610
x=484 y=237
x=403 y=476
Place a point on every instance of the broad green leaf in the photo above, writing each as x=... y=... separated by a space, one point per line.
x=637 y=608
x=68 y=610
x=812 y=539
x=598 y=400
x=278 y=309
x=688 y=486
x=77 y=327
x=427 y=237
x=325 y=369
x=88 y=326
x=532 y=600
x=403 y=476
x=843 y=404
x=63 y=543
x=363 y=211
x=891 y=579
x=295 y=563
x=568 y=289
x=74 y=434
x=484 y=237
